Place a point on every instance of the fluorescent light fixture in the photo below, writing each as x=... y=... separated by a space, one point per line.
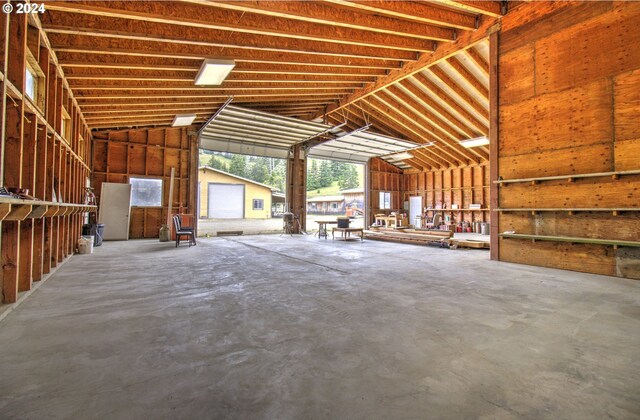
x=400 y=156
x=478 y=141
x=183 y=119
x=213 y=72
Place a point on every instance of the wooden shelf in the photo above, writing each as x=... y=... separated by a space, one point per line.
x=12 y=90
x=457 y=210
x=573 y=240
x=573 y=210
x=568 y=177
x=12 y=209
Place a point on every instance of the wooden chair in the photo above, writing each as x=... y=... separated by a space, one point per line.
x=183 y=231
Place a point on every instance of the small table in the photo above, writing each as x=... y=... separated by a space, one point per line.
x=322 y=227
x=346 y=233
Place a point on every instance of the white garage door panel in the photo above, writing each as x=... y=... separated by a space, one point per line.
x=226 y=201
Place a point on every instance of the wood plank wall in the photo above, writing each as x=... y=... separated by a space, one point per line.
x=462 y=186
x=569 y=103
x=388 y=178
x=149 y=153
x=37 y=154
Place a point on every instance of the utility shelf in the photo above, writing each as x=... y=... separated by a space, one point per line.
x=568 y=177
x=573 y=210
x=573 y=240
x=15 y=209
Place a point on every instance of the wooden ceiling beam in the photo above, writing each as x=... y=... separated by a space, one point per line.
x=414 y=11
x=81 y=60
x=474 y=120
x=212 y=102
x=181 y=76
x=377 y=121
x=422 y=158
x=489 y=8
x=102 y=96
x=411 y=118
x=455 y=63
x=414 y=164
x=437 y=121
x=326 y=14
x=478 y=59
x=417 y=132
x=137 y=48
x=138 y=111
x=188 y=85
x=445 y=152
x=77 y=24
x=462 y=94
x=467 y=40
x=452 y=121
x=193 y=16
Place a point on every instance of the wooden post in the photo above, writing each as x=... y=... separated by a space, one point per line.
x=170 y=204
x=494 y=146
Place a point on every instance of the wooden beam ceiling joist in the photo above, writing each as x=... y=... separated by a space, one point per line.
x=95 y=27
x=459 y=91
x=317 y=12
x=415 y=132
x=188 y=77
x=184 y=86
x=468 y=77
x=126 y=102
x=196 y=17
x=101 y=95
x=489 y=8
x=414 y=164
x=421 y=80
x=378 y=121
x=137 y=48
x=448 y=153
x=467 y=40
x=88 y=113
x=117 y=61
x=478 y=59
x=414 y=11
x=439 y=119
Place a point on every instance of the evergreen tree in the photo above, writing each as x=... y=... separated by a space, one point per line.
x=325 y=179
x=313 y=176
x=349 y=179
x=216 y=163
x=259 y=171
x=238 y=165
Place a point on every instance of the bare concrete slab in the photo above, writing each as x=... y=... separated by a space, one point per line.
x=279 y=327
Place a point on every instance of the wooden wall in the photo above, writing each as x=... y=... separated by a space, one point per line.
x=384 y=177
x=38 y=154
x=569 y=104
x=151 y=153
x=462 y=186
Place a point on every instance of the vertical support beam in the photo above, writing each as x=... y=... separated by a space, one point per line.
x=494 y=146
x=297 y=185
x=194 y=157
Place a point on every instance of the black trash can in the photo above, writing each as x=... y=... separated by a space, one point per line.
x=96 y=230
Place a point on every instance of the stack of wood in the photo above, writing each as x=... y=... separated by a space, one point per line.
x=410 y=236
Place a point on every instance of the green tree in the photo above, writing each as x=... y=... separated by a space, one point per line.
x=238 y=165
x=216 y=163
x=259 y=171
x=349 y=179
x=313 y=174
x=325 y=178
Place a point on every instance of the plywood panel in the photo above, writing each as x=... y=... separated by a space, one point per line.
x=117 y=158
x=590 y=50
x=137 y=159
x=516 y=68
x=155 y=161
x=577 y=257
x=627 y=105
x=566 y=161
x=153 y=222
x=627 y=155
x=136 y=224
x=594 y=192
x=596 y=225
x=574 y=117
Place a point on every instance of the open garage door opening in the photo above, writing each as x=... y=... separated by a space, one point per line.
x=240 y=194
x=335 y=189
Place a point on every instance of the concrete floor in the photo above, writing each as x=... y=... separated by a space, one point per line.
x=259 y=226
x=278 y=327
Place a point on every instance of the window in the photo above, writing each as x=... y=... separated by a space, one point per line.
x=385 y=200
x=66 y=126
x=32 y=84
x=258 y=204
x=146 y=192
x=334 y=205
